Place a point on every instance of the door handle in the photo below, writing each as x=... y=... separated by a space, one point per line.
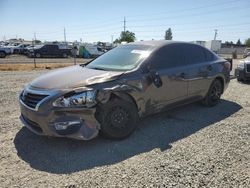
x=182 y=75
x=209 y=67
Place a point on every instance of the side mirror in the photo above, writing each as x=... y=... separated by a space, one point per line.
x=152 y=75
x=156 y=78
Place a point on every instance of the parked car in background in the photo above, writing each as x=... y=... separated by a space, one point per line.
x=4 y=51
x=49 y=50
x=20 y=49
x=242 y=71
x=129 y=82
x=246 y=52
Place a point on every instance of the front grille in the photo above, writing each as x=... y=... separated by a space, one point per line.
x=248 y=67
x=32 y=124
x=31 y=99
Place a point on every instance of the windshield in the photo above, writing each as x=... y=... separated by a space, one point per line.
x=121 y=58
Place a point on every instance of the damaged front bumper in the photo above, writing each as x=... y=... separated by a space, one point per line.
x=46 y=120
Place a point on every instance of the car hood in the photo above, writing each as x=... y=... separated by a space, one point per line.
x=247 y=60
x=73 y=77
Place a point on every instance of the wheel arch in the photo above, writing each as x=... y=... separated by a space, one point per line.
x=222 y=80
x=125 y=96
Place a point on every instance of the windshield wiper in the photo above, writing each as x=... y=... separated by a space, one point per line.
x=97 y=68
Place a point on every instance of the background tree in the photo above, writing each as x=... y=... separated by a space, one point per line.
x=168 y=34
x=126 y=36
x=247 y=43
x=238 y=42
x=37 y=41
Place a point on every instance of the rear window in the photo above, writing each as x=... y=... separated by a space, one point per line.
x=209 y=55
x=194 y=54
x=169 y=56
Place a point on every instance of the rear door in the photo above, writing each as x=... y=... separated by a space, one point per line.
x=169 y=63
x=53 y=50
x=200 y=63
x=46 y=50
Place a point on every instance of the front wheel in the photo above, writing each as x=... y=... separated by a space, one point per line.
x=38 y=55
x=118 y=119
x=214 y=94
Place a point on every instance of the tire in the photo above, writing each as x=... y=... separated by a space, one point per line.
x=214 y=93
x=64 y=55
x=118 y=119
x=38 y=55
x=2 y=54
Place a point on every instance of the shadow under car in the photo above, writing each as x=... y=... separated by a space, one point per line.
x=62 y=156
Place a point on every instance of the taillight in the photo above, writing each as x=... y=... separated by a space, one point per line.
x=228 y=66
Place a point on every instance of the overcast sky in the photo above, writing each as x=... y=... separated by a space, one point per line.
x=95 y=20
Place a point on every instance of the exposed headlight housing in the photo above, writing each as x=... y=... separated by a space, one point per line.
x=83 y=99
x=241 y=66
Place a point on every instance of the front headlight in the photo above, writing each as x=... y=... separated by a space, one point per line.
x=83 y=99
x=241 y=66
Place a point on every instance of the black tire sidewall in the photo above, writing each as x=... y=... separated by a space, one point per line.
x=208 y=101
x=38 y=55
x=107 y=130
x=64 y=55
x=2 y=54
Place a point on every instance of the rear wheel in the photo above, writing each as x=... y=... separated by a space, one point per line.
x=38 y=55
x=239 y=79
x=65 y=55
x=2 y=54
x=118 y=119
x=214 y=94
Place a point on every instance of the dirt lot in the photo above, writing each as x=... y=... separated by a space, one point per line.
x=20 y=59
x=191 y=146
x=21 y=63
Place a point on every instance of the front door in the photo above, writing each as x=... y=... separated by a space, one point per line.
x=169 y=63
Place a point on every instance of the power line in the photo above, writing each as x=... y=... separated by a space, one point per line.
x=187 y=15
x=185 y=9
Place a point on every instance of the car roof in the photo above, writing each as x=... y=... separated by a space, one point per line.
x=155 y=44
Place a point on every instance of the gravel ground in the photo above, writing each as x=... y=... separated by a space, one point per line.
x=191 y=146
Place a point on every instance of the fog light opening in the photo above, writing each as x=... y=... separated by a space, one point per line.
x=59 y=126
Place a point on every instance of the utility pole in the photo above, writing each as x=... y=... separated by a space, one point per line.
x=34 y=55
x=35 y=36
x=64 y=31
x=124 y=24
x=215 y=33
x=112 y=39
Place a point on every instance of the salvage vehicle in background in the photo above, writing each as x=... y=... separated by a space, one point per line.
x=4 y=51
x=113 y=91
x=20 y=49
x=49 y=50
x=242 y=71
x=246 y=52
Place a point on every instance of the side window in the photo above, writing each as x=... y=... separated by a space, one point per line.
x=194 y=54
x=54 y=47
x=209 y=55
x=50 y=47
x=168 y=57
x=45 y=47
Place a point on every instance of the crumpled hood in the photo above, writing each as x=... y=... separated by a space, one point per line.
x=72 y=77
